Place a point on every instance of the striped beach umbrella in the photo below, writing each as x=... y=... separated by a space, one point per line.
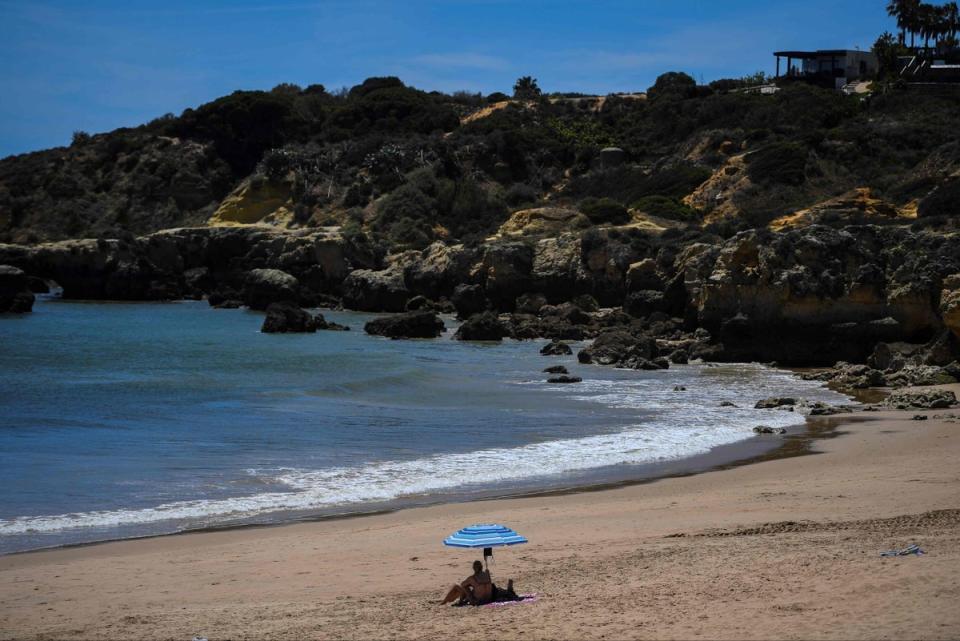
x=484 y=535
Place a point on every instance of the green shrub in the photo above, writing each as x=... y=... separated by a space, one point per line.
x=782 y=163
x=405 y=201
x=942 y=201
x=628 y=183
x=604 y=210
x=520 y=194
x=665 y=207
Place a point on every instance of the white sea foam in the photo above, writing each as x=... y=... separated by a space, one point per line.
x=678 y=430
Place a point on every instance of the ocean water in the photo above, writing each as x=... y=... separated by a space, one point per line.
x=120 y=420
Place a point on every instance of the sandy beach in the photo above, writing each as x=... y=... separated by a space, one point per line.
x=786 y=548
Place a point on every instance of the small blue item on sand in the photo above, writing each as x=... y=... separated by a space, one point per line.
x=910 y=549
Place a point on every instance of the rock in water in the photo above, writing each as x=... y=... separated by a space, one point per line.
x=481 y=327
x=556 y=348
x=564 y=379
x=766 y=429
x=287 y=317
x=774 y=402
x=15 y=294
x=408 y=325
x=323 y=323
x=265 y=286
x=555 y=369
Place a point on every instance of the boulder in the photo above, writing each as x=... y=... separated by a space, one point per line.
x=556 y=348
x=555 y=369
x=417 y=303
x=586 y=302
x=469 y=300
x=931 y=399
x=564 y=379
x=530 y=303
x=376 y=290
x=573 y=314
x=422 y=324
x=287 y=317
x=643 y=275
x=679 y=357
x=642 y=303
x=265 y=286
x=15 y=294
x=617 y=347
x=485 y=326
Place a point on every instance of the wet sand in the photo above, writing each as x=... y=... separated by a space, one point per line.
x=783 y=548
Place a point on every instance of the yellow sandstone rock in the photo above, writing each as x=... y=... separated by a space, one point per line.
x=255 y=202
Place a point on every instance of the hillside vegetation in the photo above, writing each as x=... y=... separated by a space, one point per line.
x=407 y=167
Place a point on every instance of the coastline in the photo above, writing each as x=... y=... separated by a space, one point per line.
x=757 y=547
x=798 y=441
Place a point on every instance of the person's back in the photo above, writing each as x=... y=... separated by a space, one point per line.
x=481 y=583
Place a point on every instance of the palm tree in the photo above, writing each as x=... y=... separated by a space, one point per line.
x=951 y=17
x=909 y=12
x=895 y=9
x=927 y=23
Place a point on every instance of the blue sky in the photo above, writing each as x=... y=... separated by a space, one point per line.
x=100 y=64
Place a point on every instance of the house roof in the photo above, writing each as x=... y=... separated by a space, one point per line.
x=820 y=53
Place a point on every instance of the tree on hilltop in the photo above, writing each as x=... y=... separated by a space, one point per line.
x=526 y=88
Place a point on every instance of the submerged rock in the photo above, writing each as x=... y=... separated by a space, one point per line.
x=564 y=379
x=555 y=369
x=408 y=325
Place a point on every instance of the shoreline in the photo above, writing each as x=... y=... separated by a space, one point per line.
x=787 y=547
x=754 y=449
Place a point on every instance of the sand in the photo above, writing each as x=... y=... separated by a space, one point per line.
x=778 y=549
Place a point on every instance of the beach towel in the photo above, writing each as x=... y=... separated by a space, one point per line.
x=524 y=598
x=910 y=549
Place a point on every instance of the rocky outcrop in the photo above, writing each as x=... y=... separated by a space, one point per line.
x=190 y=262
x=408 y=325
x=485 y=326
x=821 y=294
x=932 y=399
x=15 y=294
x=950 y=303
x=265 y=286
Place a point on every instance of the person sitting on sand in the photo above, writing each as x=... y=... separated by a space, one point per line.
x=479 y=589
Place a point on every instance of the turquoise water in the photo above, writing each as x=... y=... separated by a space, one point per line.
x=121 y=420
